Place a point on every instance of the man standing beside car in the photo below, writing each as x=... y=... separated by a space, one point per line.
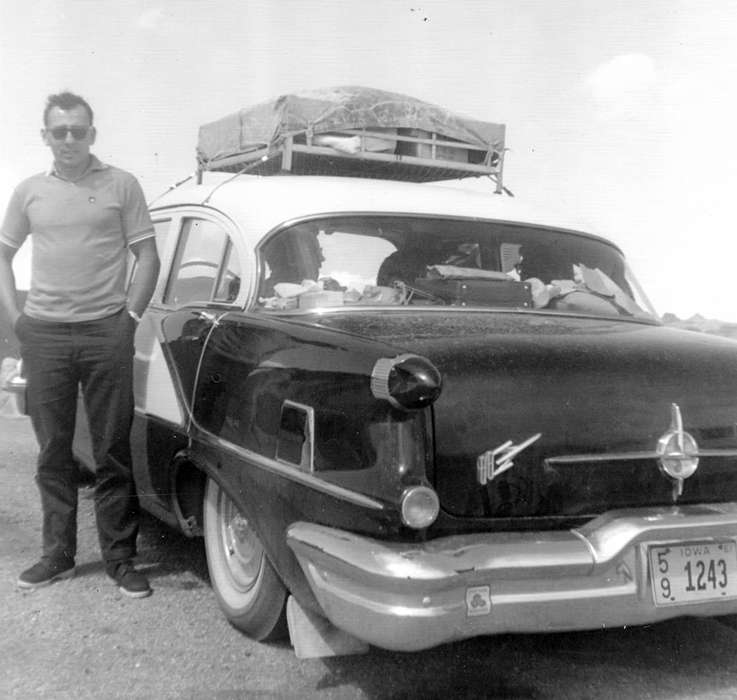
x=76 y=329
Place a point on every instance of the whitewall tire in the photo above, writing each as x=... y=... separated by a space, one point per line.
x=246 y=586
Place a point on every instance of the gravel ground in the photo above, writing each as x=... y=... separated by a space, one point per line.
x=82 y=639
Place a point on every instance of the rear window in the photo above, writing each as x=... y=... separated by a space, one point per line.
x=419 y=261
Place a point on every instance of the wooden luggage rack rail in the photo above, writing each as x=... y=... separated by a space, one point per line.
x=406 y=157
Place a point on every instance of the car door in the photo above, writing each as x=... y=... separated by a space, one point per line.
x=204 y=266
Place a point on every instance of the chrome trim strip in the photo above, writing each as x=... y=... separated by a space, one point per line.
x=628 y=588
x=622 y=456
x=293 y=473
x=307 y=463
x=358 y=308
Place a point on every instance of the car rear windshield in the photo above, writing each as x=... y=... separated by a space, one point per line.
x=419 y=261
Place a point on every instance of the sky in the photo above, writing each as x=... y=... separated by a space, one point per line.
x=620 y=113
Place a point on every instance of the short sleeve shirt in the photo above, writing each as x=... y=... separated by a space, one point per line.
x=80 y=232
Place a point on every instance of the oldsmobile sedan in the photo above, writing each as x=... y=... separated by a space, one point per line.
x=404 y=414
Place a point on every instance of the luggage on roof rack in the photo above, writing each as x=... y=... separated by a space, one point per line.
x=353 y=131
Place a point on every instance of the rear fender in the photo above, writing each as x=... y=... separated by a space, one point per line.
x=301 y=395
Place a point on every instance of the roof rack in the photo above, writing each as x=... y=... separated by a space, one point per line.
x=425 y=158
x=353 y=131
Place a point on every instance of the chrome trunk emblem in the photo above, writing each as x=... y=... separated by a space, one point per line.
x=677 y=452
x=495 y=462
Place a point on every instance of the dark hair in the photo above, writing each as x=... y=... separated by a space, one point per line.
x=66 y=100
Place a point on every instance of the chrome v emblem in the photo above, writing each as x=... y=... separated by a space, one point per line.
x=495 y=462
x=678 y=453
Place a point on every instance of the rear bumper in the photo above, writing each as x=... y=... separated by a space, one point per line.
x=415 y=596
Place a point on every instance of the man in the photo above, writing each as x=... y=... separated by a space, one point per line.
x=76 y=329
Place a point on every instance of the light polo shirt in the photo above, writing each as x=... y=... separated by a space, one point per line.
x=80 y=234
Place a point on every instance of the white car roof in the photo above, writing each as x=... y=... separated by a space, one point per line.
x=263 y=203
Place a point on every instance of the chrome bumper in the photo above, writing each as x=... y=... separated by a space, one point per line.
x=415 y=596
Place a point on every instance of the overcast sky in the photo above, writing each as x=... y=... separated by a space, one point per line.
x=619 y=112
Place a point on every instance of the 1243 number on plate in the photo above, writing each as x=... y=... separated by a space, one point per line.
x=693 y=572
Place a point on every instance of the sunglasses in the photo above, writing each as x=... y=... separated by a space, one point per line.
x=59 y=133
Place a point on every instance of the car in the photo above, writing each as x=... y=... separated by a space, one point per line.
x=402 y=414
x=496 y=435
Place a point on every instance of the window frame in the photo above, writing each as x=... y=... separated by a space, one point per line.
x=178 y=217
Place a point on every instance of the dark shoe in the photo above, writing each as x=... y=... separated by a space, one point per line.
x=45 y=573
x=130 y=582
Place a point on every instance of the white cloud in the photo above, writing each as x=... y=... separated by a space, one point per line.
x=623 y=84
x=151 y=19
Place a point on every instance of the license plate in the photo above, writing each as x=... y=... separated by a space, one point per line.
x=693 y=572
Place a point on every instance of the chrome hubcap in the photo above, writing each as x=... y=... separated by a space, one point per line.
x=242 y=548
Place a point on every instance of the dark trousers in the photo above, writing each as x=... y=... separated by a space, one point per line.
x=58 y=358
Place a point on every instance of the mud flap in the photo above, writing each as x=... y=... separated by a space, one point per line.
x=314 y=637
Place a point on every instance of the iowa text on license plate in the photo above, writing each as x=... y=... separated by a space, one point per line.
x=692 y=572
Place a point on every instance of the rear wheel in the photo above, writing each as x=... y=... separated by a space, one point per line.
x=247 y=588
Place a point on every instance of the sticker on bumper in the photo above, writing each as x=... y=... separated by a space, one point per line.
x=478 y=601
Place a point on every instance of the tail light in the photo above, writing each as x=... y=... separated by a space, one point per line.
x=420 y=507
x=406 y=381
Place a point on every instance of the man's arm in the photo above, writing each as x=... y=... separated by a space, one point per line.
x=13 y=232
x=145 y=276
x=8 y=295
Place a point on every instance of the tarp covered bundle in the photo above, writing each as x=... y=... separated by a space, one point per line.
x=312 y=113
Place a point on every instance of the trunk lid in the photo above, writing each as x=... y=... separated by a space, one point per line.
x=588 y=387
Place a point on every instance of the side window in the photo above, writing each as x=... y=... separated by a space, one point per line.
x=198 y=272
x=230 y=277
